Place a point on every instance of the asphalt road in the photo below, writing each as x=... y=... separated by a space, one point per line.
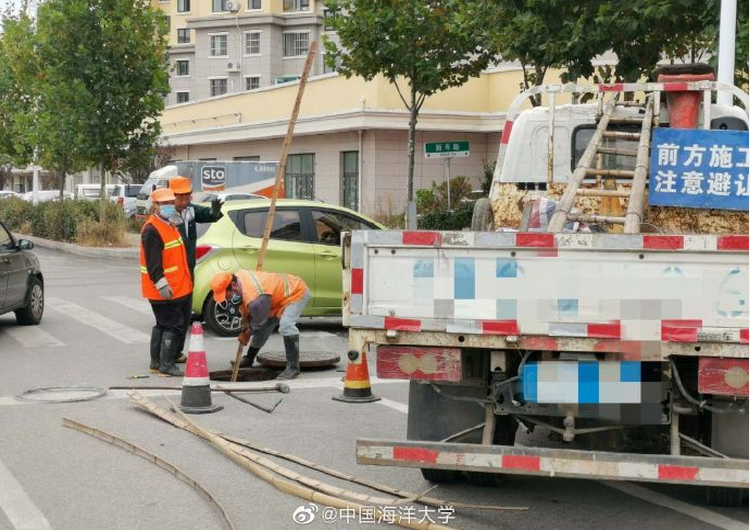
x=95 y=332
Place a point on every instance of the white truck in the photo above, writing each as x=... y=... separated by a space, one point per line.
x=604 y=324
x=211 y=176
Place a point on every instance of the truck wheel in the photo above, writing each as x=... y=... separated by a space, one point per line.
x=729 y=497
x=505 y=434
x=483 y=220
x=441 y=476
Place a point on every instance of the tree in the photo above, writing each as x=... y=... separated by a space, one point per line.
x=19 y=69
x=140 y=162
x=430 y=44
x=544 y=34
x=115 y=53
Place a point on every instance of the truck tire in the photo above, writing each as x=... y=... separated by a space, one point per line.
x=483 y=220
x=728 y=497
x=505 y=434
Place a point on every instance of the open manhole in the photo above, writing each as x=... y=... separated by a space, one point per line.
x=307 y=359
x=245 y=374
x=63 y=394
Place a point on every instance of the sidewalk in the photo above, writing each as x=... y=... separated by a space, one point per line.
x=129 y=252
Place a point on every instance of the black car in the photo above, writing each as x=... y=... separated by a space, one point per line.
x=21 y=281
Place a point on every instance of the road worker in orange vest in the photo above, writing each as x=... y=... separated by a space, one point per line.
x=265 y=299
x=165 y=281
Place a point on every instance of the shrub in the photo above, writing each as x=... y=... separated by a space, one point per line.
x=107 y=232
x=436 y=198
x=457 y=219
x=16 y=213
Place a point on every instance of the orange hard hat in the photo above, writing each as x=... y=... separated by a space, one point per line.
x=219 y=285
x=180 y=185
x=162 y=195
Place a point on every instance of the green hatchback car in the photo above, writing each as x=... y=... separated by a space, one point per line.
x=305 y=241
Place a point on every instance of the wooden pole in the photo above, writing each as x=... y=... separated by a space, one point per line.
x=284 y=150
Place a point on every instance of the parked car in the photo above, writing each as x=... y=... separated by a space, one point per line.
x=21 y=281
x=305 y=241
x=6 y=194
x=46 y=195
x=124 y=195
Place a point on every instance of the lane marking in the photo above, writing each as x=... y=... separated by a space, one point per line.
x=135 y=304
x=32 y=337
x=124 y=334
x=395 y=405
x=17 y=506
x=659 y=499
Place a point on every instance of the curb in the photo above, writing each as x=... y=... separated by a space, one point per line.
x=91 y=252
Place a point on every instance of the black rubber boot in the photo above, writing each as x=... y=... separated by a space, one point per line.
x=155 y=349
x=291 y=345
x=170 y=349
x=249 y=358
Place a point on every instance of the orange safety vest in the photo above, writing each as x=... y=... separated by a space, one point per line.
x=174 y=262
x=285 y=289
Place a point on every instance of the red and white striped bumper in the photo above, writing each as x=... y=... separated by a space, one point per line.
x=567 y=463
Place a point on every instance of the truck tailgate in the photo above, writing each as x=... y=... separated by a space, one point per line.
x=639 y=289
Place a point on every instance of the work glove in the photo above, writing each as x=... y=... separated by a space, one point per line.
x=216 y=206
x=164 y=289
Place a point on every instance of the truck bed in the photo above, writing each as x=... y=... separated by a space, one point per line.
x=648 y=296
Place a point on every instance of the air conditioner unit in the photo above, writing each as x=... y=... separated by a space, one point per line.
x=232 y=5
x=233 y=67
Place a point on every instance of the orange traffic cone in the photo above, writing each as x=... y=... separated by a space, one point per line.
x=357 y=385
x=196 y=389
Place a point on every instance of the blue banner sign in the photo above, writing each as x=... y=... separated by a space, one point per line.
x=699 y=169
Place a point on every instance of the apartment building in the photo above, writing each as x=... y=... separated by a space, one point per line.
x=222 y=47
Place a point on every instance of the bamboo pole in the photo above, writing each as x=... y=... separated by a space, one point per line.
x=634 y=213
x=164 y=464
x=284 y=151
x=430 y=501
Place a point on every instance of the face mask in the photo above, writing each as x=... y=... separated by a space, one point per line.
x=236 y=299
x=167 y=211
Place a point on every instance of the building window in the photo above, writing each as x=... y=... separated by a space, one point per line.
x=285 y=79
x=253 y=4
x=252 y=82
x=218 y=86
x=183 y=97
x=300 y=176
x=296 y=5
x=350 y=179
x=296 y=44
x=182 y=68
x=252 y=43
x=219 y=45
x=327 y=15
x=218 y=6
x=183 y=6
x=183 y=36
x=246 y=159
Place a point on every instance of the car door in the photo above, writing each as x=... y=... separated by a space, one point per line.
x=287 y=252
x=327 y=228
x=13 y=262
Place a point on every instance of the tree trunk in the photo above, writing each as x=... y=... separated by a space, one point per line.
x=102 y=205
x=413 y=112
x=62 y=183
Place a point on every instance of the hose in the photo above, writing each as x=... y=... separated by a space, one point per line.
x=702 y=404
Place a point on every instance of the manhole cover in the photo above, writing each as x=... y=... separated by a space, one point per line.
x=307 y=359
x=63 y=394
x=245 y=374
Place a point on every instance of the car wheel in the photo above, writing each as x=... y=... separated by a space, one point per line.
x=31 y=314
x=224 y=321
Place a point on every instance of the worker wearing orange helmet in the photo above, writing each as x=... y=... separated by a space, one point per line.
x=165 y=281
x=191 y=214
x=265 y=299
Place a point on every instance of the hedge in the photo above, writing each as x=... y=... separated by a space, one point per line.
x=58 y=220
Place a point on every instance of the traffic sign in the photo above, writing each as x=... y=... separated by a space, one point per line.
x=446 y=149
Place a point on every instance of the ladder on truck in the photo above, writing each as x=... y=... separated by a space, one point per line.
x=607 y=191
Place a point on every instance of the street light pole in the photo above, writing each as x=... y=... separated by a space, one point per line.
x=727 y=24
